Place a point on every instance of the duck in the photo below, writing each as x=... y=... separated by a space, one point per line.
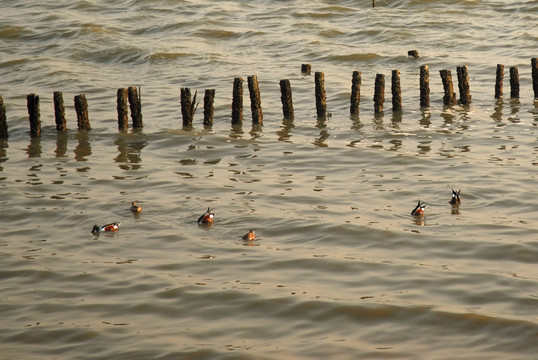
x=207 y=217
x=135 y=207
x=250 y=236
x=455 y=200
x=419 y=209
x=108 y=227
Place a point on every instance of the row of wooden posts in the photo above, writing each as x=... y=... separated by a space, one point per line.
x=131 y=98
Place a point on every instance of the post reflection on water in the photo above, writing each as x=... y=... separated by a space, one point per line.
x=83 y=149
x=286 y=127
x=320 y=141
x=129 y=150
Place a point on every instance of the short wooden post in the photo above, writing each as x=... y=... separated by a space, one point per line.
x=514 y=82
x=450 y=96
x=135 y=103
x=499 y=81
x=3 y=120
x=188 y=106
x=237 y=101
x=355 y=93
x=534 y=66
x=59 y=111
x=209 y=110
x=396 y=90
x=413 y=53
x=32 y=101
x=424 y=86
x=123 y=108
x=379 y=93
x=463 y=85
x=81 y=107
x=306 y=69
x=255 y=100
x=286 y=99
x=321 y=97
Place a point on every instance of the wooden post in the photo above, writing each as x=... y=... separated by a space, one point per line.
x=355 y=93
x=255 y=100
x=396 y=91
x=81 y=107
x=463 y=85
x=424 y=86
x=237 y=102
x=59 y=111
x=534 y=66
x=450 y=96
x=499 y=81
x=373 y=3
x=188 y=106
x=514 y=82
x=321 y=97
x=413 y=53
x=209 y=110
x=286 y=99
x=123 y=109
x=32 y=102
x=3 y=120
x=306 y=69
x=379 y=93
x=135 y=103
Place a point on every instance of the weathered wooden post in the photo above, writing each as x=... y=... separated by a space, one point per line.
x=123 y=109
x=450 y=96
x=396 y=90
x=209 y=110
x=355 y=93
x=534 y=66
x=321 y=96
x=32 y=102
x=463 y=85
x=306 y=69
x=59 y=111
x=3 y=120
x=286 y=99
x=237 y=102
x=255 y=100
x=413 y=53
x=188 y=106
x=424 y=86
x=135 y=103
x=379 y=93
x=81 y=107
x=499 y=81
x=514 y=82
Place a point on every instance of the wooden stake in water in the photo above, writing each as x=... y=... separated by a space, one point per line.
x=32 y=102
x=59 y=111
x=514 y=82
x=499 y=81
x=286 y=98
x=355 y=93
x=463 y=85
x=321 y=96
x=3 y=120
x=413 y=53
x=424 y=86
x=135 y=102
x=188 y=106
x=450 y=96
x=306 y=69
x=123 y=109
x=81 y=107
x=255 y=100
x=379 y=93
x=209 y=110
x=534 y=66
x=237 y=101
x=396 y=90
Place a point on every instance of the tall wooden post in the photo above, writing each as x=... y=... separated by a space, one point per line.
x=534 y=66
x=463 y=85
x=424 y=86
x=306 y=69
x=81 y=107
x=321 y=96
x=188 y=106
x=135 y=102
x=123 y=109
x=59 y=111
x=450 y=96
x=237 y=101
x=255 y=100
x=379 y=93
x=514 y=82
x=3 y=120
x=499 y=81
x=286 y=99
x=355 y=93
x=396 y=90
x=209 y=110
x=32 y=102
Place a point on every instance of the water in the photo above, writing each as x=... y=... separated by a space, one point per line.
x=339 y=269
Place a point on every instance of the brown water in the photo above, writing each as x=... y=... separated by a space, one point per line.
x=340 y=269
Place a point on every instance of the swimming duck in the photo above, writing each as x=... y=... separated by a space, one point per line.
x=250 y=236
x=108 y=227
x=207 y=217
x=135 y=207
x=419 y=209
x=455 y=197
